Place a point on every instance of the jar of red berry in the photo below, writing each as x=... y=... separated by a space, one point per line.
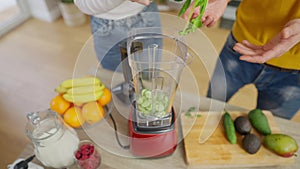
x=87 y=155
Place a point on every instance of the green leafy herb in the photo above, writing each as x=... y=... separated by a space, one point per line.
x=67 y=1
x=191 y=109
x=193 y=24
x=199 y=115
x=189 y=114
x=184 y=7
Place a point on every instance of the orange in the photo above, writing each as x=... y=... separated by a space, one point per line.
x=105 y=98
x=73 y=117
x=59 y=104
x=92 y=112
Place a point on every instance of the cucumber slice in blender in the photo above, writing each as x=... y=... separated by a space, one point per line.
x=148 y=94
x=140 y=100
x=141 y=108
x=159 y=107
x=146 y=103
x=143 y=92
x=156 y=105
x=149 y=108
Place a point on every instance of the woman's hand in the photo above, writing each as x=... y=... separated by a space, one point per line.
x=143 y=2
x=281 y=43
x=212 y=14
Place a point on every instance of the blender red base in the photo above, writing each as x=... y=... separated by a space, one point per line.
x=147 y=144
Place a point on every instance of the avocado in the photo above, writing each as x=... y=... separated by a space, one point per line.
x=259 y=121
x=242 y=125
x=282 y=144
x=251 y=143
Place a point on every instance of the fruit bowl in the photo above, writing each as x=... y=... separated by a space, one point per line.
x=82 y=102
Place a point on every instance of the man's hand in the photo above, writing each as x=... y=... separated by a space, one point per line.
x=212 y=14
x=281 y=43
x=143 y=2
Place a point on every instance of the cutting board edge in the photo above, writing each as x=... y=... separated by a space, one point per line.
x=191 y=166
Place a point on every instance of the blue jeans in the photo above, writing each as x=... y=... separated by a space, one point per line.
x=278 y=91
x=110 y=34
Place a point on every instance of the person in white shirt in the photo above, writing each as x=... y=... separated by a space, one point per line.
x=111 y=20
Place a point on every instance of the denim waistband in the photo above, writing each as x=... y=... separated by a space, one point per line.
x=293 y=71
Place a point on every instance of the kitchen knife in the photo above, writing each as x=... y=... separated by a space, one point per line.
x=212 y=121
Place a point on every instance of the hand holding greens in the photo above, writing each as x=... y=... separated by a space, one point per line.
x=192 y=24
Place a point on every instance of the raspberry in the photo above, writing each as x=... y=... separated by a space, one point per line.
x=84 y=146
x=85 y=152
x=84 y=157
x=92 y=149
x=78 y=155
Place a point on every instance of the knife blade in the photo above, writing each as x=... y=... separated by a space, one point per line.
x=212 y=120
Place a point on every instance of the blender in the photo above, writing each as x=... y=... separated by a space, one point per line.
x=156 y=61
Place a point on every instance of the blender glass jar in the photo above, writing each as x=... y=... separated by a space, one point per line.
x=54 y=142
x=156 y=68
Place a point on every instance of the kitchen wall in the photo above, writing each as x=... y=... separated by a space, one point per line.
x=6 y=4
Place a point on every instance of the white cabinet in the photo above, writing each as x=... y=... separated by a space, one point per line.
x=46 y=10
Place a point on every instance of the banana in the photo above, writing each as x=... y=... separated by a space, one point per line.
x=77 y=82
x=86 y=89
x=83 y=98
x=59 y=89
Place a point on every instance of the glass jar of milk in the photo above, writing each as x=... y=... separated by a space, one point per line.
x=54 y=142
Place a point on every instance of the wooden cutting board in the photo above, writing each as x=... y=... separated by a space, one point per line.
x=217 y=152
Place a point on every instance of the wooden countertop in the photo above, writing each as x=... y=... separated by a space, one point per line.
x=110 y=160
